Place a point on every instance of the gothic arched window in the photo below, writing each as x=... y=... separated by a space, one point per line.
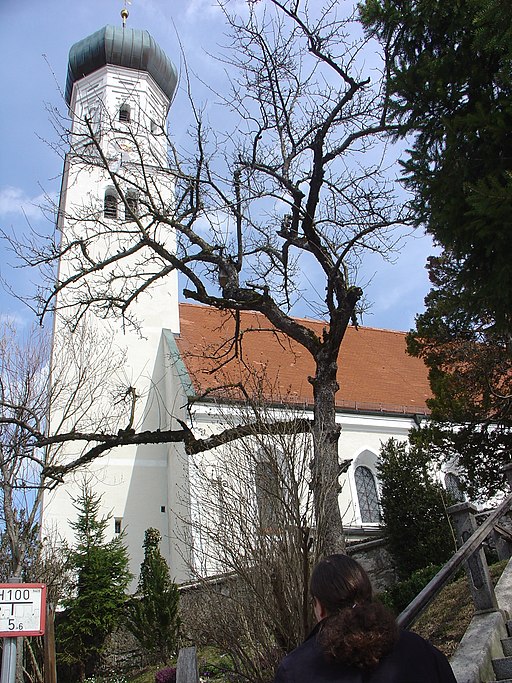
x=110 y=204
x=366 y=488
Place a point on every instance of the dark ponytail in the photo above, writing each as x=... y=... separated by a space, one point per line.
x=358 y=630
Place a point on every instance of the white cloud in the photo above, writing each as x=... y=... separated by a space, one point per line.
x=200 y=8
x=16 y=320
x=14 y=200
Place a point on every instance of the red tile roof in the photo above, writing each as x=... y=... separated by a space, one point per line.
x=375 y=373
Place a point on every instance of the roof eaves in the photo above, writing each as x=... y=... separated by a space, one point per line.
x=381 y=410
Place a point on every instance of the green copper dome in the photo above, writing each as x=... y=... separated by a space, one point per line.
x=128 y=47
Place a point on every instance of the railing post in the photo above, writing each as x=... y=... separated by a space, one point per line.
x=502 y=545
x=507 y=469
x=463 y=518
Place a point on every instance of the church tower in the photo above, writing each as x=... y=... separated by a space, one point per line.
x=116 y=177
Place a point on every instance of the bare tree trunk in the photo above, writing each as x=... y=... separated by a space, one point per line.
x=325 y=466
x=37 y=676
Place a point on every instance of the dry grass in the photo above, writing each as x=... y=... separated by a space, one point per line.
x=445 y=621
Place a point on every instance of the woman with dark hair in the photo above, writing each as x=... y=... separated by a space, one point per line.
x=356 y=639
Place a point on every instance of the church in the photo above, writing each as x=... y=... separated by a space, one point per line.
x=119 y=89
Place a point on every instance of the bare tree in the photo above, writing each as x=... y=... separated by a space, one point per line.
x=297 y=185
x=23 y=401
x=27 y=391
x=253 y=533
x=24 y=396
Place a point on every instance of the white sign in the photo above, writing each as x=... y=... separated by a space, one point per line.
x=22 y=609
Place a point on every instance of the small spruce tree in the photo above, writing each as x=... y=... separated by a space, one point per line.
x=101 y=578
x=153 y=614
x=413 y=508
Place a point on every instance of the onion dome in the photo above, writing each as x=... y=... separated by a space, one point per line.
x=120 y=46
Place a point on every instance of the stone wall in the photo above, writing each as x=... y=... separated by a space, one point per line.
x=376 y=560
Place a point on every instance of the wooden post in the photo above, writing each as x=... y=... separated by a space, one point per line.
x=482 y=591
x=50 y=663
x=186 y=670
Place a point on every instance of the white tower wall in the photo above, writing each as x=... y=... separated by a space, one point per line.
x=106 y=354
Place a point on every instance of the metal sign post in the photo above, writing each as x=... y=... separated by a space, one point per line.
x=9 y=660
x=22 y=613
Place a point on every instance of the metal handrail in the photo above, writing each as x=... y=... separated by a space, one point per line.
x=421 y=601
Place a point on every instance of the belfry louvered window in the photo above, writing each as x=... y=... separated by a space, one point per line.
x=366 y=488
x=131 y=208
x=124 y=113
x=110 y=204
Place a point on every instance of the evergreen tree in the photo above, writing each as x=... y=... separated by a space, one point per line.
x=450 y=81
x=413 y=508
x=101 y=579
x=470 y=370
x=450 y=84
x=153 y=614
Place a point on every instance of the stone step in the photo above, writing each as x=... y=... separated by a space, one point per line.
x=507 y=646
x=502 y=668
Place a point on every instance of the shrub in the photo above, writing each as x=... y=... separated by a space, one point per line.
x=167 y=675
x=414 y=508
x=402 y=593
x=152 y=616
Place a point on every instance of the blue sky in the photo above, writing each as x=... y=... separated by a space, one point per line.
x=35 y=39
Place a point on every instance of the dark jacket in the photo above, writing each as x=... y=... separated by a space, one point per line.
x=412 y=660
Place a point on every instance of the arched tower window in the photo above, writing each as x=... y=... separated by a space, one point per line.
x=125 y=113
x=110 y=204
x=366 y=488
x=131 y=208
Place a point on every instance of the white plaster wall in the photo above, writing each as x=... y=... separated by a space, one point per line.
x=361 y=439
x=99 y=97
x=132 y=480
x=178 y=465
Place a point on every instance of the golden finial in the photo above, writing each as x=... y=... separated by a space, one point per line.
x=124 y=12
